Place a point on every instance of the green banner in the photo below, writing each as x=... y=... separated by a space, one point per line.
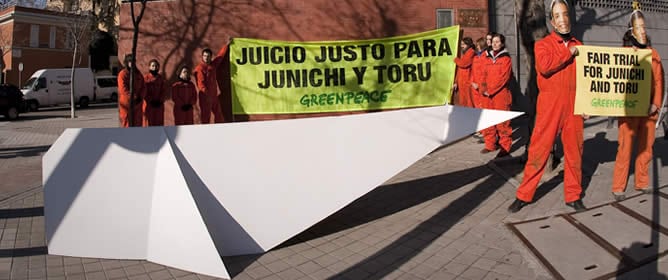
x=274 y=77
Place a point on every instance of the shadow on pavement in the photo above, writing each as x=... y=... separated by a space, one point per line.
x=21 y=212
x=7 y=153
x=23 y=252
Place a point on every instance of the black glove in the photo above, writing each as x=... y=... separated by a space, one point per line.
x=156 y=103
x=186 y=107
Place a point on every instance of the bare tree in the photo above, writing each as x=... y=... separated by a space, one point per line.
x=5 y=47
x=532 y=24
x=79 y=26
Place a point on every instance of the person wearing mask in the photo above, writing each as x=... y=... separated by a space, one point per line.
x=496 y=95
x=156 y=92
x=463 y=73
x=556 y=78
x=184 y=95
x=124 y=95
x=641 y=128
x=207 y=86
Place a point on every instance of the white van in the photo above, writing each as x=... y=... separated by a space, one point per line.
x=106 y=88
x=48 y=87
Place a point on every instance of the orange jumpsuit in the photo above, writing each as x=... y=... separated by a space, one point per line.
x=554 y=113
x=156 y=92
x=478 y=77
x=207 y=88
x=124 y=98
x=643 y=129
x=464 y=97
x=184 y=94
x=497 y=75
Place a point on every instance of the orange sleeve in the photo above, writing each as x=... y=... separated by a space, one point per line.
x=551 y=58
x=124 y=89
x=200 y=81
x=658 y=82
x=219 y=56
x=466 y=59
x=503 y=71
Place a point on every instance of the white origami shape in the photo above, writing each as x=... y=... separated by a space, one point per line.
x=183 y=196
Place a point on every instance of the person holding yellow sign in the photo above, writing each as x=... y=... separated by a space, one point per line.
x=556 y=79
x=642 y=128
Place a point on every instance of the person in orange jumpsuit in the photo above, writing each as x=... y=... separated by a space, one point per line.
x=463 y=73
x=555 y=65
x=640 y=128
x=156 y=92
x=124 y=95
x=496 y=95
x=207 y=87
x=184 y=95
x=478 y=71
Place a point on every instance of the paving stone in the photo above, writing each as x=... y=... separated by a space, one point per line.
x=134 y=270
x=259 y=272
x=454 y=268
x=278 y=266
x=291 y=273
x=160 y=275
x=115 y=273
x=74 y=269
x=474 y=273
x=98 y=275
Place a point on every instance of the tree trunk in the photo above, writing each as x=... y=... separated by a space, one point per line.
x=135 y=38
x=532 y=23
x=74 y=57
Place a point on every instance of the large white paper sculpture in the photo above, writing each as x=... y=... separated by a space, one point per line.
x=183 y=196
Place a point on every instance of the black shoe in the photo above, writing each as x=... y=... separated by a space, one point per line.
x=577 y=205
x=517 y=205
x=502 y=153
x=485 y=151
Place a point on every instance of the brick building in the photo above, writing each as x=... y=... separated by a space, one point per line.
x=175 y=32
x=36 y=38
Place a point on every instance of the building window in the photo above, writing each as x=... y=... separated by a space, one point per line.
x=52 y=37
x=443 y=18
x=34 y=36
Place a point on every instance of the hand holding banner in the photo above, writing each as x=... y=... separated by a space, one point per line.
x=613 y=81
x=274 y=77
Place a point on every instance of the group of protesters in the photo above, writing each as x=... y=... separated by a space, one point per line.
x=151 y=91
x=484 y=70
x=482 y=81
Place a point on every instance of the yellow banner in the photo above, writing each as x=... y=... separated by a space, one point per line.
x=613 y=81
x=274 y=77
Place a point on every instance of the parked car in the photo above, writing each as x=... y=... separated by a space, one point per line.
x=106 y=88
x=11 y=101
x=48 y=87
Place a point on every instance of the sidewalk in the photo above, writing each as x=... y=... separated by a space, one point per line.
x=442 y=218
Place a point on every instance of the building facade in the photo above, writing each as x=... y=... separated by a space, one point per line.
x=175 y=32
x=36 y=39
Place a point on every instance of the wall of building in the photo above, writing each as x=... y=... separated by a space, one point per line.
x=174 y=32
x=17 y=22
